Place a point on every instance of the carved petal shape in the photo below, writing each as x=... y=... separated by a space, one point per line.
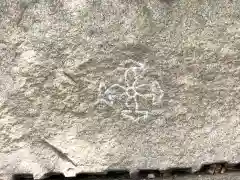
x=115 y=92
x=157 y=92
x=130 y=77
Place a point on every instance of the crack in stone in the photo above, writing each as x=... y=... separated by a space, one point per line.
x=61 y=154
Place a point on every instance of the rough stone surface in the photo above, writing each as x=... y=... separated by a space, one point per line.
x=230 y=176
x=87 y=85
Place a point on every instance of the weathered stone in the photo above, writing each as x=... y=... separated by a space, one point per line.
x=68 y=77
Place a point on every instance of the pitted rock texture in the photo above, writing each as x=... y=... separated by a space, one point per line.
x=88 y=85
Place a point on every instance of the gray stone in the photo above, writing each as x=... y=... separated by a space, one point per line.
x=88 y=85
x=228 y=176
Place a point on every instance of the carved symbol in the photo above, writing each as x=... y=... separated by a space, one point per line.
x=133 y=91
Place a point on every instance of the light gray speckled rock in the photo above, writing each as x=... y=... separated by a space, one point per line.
x=87 y=85
x=228 y=176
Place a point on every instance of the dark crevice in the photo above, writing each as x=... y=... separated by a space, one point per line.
x=22 y=177
x=118 y=174
x=53 y=176
x=206 y=169
x=90 y=176
x=148 y=173
x=177 y=172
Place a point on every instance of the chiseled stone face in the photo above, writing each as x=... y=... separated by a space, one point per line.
x=87 y=85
